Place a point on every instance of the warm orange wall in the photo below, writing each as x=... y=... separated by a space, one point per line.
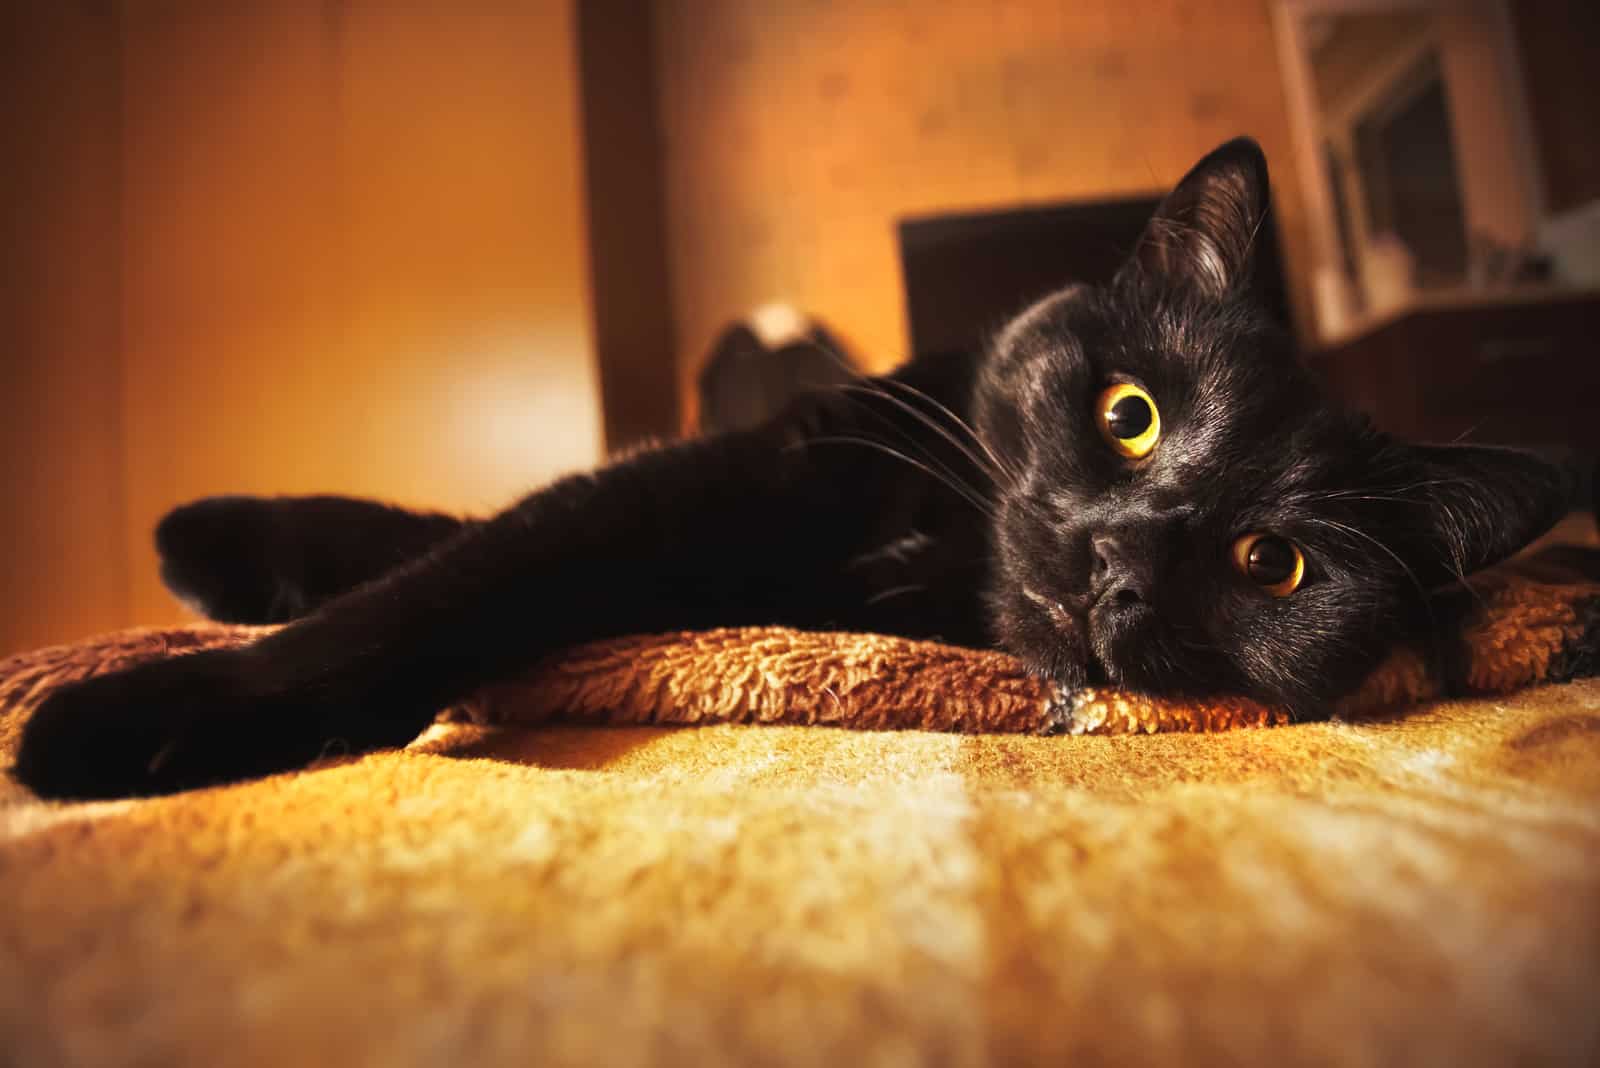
x=354 y=256
x=798 y=131
x=352 y=260
x=62 y=567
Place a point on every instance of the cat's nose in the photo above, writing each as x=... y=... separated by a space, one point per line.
x=1117 y=574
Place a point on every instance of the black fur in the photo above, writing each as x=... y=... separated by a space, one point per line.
x=270 y=560
x=969 y=498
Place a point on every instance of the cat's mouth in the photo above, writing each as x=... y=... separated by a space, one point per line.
x=1110 y=632
x=1073 y=627
x=1120 y=637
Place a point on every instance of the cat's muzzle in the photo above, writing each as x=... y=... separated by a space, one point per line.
x=1119 y=630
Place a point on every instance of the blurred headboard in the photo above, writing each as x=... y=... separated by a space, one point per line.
x=966 y=274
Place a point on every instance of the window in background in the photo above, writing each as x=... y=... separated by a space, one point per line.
x=1421 y=158
x=1406 y=165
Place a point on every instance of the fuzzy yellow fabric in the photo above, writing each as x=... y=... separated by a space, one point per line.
x=1395 y=888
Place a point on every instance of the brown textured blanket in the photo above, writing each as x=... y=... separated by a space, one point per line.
x=1394 y=888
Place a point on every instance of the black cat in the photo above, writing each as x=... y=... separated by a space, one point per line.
x=1135 y=484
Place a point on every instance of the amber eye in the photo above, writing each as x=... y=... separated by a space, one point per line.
x=1128 y=419
x=1273 y=563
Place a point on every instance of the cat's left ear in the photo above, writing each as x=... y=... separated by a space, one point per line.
x=1202 y=235
x=1479 y=504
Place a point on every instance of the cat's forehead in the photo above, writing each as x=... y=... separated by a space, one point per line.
x=1169 y=336
x=1287 y=466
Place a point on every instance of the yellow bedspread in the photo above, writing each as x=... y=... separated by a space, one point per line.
x=1409 y=887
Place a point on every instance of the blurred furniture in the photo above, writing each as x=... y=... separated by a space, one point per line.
x=967 y=273
x=759 y=365
x=1517 y=368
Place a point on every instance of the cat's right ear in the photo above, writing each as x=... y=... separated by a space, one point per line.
x=1202 y=236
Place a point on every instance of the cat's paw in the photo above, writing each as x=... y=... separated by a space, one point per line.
x=221 y=555
x=166 y=726
x=1060 y=714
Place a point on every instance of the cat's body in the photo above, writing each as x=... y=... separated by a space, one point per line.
x=1134 y=484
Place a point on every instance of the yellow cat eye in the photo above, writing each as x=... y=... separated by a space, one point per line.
x=1128 y=420
x=1275 y=564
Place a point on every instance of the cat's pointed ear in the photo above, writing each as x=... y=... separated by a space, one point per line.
x=1479 y=505
x=1203 y=234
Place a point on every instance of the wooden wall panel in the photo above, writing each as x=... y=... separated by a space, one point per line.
x=799 y=131
x=627 y=225
x=468 y=264
x=62 y=569
x=354 y=258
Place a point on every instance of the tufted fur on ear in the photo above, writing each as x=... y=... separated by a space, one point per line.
x=1202 y=235
x=1475 y=506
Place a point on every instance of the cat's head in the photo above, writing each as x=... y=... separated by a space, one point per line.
x=1184 y=511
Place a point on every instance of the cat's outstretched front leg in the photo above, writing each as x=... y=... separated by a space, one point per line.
x=191 y=721
x=745 y=528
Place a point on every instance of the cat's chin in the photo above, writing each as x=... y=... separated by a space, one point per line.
x=1123 y=642
x=1101 y=644
x=1095 y=674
